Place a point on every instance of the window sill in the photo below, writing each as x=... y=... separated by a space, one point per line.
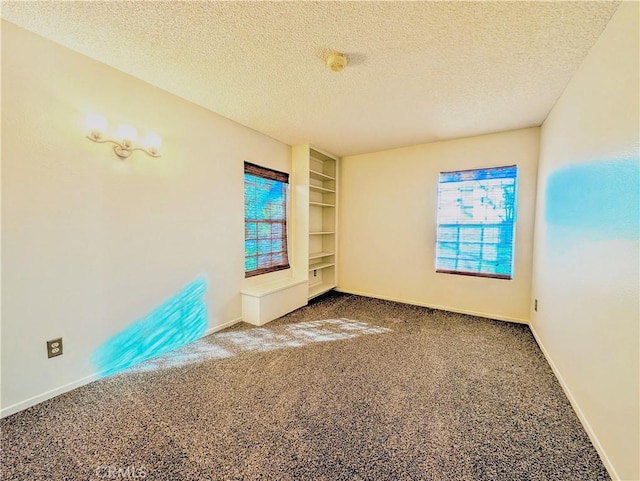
x=476 y=274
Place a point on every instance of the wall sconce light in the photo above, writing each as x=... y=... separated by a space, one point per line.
x=97 y=125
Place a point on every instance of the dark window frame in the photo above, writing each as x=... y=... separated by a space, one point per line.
x=282 y=178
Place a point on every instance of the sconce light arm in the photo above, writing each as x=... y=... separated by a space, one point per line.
x=122 y=149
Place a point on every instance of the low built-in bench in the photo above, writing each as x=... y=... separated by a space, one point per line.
x=266 y=302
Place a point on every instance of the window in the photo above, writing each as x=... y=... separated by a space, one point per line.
x=265 y=220
x=476 y=221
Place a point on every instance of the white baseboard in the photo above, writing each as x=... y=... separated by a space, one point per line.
x=576 y=407
x=435 y=306
x=32 y=401
x=222 y=326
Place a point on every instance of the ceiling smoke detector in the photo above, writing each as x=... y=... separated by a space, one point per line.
x=337 y=62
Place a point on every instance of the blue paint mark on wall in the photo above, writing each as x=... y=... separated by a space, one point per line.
x=179 y=321
x=600 y=199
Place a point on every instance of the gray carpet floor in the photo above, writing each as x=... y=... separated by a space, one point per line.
x=347 y=388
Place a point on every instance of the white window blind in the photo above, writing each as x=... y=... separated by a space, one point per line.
x=476 y=222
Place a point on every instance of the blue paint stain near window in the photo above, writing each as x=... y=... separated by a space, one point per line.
x=600 y=199
x=179 y=321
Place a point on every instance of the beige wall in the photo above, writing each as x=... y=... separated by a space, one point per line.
x=586 y=257
x=90 y=243
x=388 y=224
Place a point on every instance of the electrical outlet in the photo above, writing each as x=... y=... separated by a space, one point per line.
x=535 y=305
x=315 y=273
x=54 y=347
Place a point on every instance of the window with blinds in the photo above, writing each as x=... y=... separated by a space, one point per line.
x=476 y=222
x=265 y=220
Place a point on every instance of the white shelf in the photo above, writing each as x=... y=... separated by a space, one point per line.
x=318 y=255
x=314 y=174
x=319 y=288
x=321 y=189
x=315 y=179
x=320 y=265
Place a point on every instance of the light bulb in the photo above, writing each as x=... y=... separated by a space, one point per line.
x=127 y=133
x=96 y=125
x=152 y=142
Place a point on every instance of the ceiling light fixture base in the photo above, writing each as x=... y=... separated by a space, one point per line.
x=337 y=62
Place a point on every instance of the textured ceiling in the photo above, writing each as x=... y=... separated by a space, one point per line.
x=418 y=71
